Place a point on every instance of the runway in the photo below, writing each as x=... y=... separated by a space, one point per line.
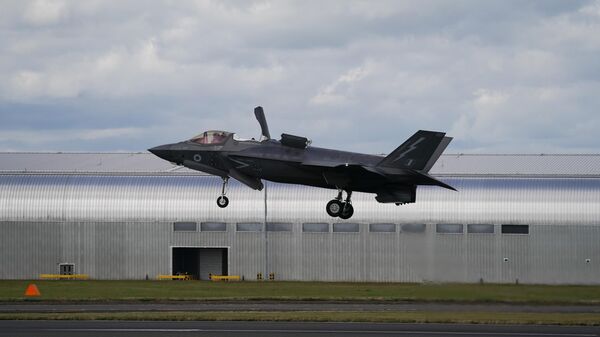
x=288 y=306
x=184 y=329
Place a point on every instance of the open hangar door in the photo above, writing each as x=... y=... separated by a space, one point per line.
x=199 y=262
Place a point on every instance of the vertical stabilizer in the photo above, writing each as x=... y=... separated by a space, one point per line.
x=419 y=152
x=438 y=152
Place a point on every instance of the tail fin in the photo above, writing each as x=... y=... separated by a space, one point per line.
x=419 y=152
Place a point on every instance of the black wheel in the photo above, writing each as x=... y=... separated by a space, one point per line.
x=347 y=211
x=222 y=201
x=334 y=207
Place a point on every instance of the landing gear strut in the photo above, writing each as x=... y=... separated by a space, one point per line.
x=339 y=208
x=223 y=201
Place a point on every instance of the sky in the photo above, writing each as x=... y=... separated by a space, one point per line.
x=498 y=76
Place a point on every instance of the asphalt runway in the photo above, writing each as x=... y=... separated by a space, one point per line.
x=184 y=329
x=288 y=306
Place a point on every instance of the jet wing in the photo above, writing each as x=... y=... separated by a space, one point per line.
x=426 y=178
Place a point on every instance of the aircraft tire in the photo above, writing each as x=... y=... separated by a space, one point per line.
x=222 y=201
x=347 y=211
x=334 y=208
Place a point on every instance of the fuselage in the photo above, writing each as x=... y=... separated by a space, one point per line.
x=297 y=166
x=268 y=160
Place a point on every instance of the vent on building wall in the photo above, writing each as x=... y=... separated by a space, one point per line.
x=279 y=227
x=346 y=227
x=249 y=227
x=414 y=228
x=184 y=226
x=449 y=228
x=382 y=228
x=213 y=227
x=480 y=228
x=515 y=229
x=315 y=227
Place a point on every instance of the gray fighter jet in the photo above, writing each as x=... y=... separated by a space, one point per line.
x=292 y=160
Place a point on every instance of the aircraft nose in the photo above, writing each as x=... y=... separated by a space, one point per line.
x=162 y=151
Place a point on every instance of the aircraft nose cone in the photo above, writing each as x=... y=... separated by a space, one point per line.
x=162 y=151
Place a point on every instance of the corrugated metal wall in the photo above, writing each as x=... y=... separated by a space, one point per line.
x=121 y=227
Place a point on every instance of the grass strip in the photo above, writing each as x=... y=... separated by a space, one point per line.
x=328 y=316
x=278 y=290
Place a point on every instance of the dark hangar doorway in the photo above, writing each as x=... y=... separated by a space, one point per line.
x=199 y=262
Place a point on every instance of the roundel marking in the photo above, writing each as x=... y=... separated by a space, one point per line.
x=197 y=157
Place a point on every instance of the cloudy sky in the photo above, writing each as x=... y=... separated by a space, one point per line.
x=499 y=76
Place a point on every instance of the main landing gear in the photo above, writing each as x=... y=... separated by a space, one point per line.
x=223 y=201
x=337 y=207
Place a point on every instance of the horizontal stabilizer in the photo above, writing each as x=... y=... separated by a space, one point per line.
x=426 y=179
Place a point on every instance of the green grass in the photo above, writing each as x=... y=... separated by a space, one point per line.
x=327 y=316
x=198 y=291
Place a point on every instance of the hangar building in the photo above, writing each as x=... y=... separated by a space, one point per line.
x=516 y=218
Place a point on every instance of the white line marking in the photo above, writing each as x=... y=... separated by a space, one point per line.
x=411 y=147
x=335 y=331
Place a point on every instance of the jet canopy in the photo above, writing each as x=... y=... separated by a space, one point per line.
x=211 y=137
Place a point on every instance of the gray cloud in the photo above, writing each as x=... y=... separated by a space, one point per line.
x=499 y=76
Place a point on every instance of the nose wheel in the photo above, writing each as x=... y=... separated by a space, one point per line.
x=338 y=208
x=223 y=201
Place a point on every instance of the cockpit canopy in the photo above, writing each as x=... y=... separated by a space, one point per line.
x=211 y=137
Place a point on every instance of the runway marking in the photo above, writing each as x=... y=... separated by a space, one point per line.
x=334 y=331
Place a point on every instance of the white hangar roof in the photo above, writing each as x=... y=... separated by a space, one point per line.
x=448 y=164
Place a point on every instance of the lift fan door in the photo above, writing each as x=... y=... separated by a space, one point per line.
x=294 y=141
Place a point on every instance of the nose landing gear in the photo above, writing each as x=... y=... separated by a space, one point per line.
x=339 y=208
x=223 y=201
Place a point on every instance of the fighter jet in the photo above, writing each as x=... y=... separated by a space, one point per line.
x=292 y=160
